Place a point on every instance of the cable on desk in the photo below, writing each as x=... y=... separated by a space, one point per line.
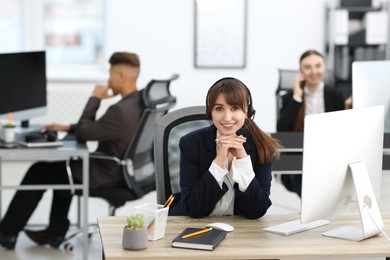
x=376 y=224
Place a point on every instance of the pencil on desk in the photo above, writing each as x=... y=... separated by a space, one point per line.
x=197 y=233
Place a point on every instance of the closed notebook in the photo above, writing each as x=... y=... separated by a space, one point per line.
x=205 y=241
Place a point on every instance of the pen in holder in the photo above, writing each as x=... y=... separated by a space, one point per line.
x=156 y=217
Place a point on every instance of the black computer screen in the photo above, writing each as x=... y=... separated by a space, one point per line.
x=22 y=83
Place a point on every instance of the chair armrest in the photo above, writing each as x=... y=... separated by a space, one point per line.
x=128 y=170
x=103 y=156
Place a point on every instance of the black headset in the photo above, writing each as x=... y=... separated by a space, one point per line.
x=251 y=111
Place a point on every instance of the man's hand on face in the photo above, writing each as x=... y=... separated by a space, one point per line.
x=101 y=92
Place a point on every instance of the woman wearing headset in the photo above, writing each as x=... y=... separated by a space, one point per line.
x=225 y=169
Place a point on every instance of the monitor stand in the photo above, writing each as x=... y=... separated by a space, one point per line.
x=295 y=226
x=371 y=219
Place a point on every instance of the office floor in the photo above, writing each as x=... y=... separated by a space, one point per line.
x=284 y=202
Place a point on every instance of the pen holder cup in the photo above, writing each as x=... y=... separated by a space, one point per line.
x=156 y=217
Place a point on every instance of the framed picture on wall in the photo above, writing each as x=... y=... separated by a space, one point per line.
x=220 y=33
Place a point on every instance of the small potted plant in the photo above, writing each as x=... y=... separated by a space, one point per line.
x=9 y=125
x=135 y=234
x=9 y=132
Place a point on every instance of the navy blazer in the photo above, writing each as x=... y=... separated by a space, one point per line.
x=333 y=100
x=200 y=191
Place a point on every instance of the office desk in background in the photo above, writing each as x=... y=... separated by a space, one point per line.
x=70 y=149
x=291 y=155
x=248 y=240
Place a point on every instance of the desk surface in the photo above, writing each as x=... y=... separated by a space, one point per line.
x=248 y=241
x=63 y=152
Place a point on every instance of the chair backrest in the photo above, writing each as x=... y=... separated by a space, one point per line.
x=286 y=79
x=169 y=130
x=157 y=92
x=158 y=100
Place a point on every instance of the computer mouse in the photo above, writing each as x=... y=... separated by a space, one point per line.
x=221 y=226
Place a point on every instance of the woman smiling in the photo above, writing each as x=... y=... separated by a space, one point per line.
x=225 y=169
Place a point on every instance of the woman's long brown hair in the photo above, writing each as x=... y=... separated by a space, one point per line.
x=236 y=93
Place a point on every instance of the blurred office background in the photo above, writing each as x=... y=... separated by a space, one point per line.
x=80 y=35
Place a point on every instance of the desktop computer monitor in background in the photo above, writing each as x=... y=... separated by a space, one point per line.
x=23 y=85
x=342 y=166
x=370 y=86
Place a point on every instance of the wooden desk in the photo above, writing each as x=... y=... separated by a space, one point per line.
x=248 y=241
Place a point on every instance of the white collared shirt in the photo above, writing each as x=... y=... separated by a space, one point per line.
x=241 y=172
x=314 y=101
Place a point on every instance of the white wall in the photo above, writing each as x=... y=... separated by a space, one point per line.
x=162 y=33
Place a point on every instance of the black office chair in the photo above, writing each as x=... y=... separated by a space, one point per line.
x=168 y=132
x=137 y=163
x=285 y=84
x=157 y=94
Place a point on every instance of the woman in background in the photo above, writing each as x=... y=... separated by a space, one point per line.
x=310 y=95
x=225 y=169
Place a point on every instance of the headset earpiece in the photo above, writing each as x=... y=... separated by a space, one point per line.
x=251 y=111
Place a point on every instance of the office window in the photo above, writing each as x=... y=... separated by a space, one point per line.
x=73 y=31
x=10 y=25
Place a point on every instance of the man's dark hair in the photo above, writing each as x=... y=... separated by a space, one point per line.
x=127 y=58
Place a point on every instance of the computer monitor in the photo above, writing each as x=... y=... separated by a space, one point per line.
x=23 y=85
x=370 y=86
x=342 y=166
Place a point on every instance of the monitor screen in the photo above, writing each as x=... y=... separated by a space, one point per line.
x=334 y=143
x=23 y=84
x=370 y=86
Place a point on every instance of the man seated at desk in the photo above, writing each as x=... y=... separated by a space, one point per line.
x=113 y=132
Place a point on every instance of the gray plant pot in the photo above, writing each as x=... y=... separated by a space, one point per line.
x=134 y=239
